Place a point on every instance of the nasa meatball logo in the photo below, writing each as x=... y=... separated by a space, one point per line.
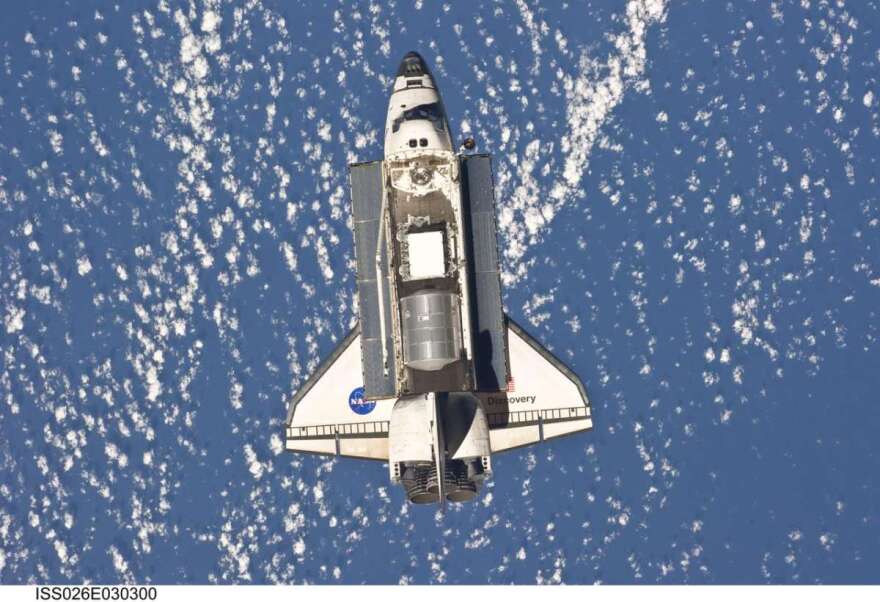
x=358 y=404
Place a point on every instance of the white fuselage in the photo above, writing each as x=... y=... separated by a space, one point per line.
x=425 y=244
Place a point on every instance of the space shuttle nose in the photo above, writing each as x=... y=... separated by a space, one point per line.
x=412 y=65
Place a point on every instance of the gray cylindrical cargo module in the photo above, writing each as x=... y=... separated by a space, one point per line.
x=431 y=329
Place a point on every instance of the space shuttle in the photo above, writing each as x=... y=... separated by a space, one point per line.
x=435 y=379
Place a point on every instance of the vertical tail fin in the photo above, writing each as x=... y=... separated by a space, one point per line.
x=439 y=450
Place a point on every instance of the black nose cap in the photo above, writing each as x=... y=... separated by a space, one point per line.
x=412 y=65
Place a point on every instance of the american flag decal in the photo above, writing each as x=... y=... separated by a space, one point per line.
x=511 y=386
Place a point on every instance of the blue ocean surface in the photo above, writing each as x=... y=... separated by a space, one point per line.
x=688 y=215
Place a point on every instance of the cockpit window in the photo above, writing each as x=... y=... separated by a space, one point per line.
x=432 y=112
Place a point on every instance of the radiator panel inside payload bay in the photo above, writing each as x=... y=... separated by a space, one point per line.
x=367 y=188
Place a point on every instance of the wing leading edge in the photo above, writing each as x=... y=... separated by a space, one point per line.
x=329 y=415
x=544 y=399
